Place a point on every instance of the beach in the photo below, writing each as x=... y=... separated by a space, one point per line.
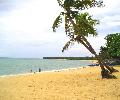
x=73 y=84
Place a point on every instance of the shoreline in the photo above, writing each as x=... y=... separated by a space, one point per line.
x=31 y=73
x=28 y=72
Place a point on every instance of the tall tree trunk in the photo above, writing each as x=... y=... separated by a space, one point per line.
x=111 y=69
x=92 y=51
x=105 y=73
x=101 y=62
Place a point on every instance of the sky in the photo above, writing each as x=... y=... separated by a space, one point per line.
x=26 y=28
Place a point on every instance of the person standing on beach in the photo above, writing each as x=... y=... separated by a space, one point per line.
x=39 y=69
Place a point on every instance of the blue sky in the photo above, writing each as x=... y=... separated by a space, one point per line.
x=25 y=28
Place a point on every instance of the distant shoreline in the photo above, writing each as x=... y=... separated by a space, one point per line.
x=71 y=58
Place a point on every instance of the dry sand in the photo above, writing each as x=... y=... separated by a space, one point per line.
x=79 y=84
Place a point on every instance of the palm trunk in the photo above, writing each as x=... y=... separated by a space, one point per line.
x=111 y=69
x=93 y=52
x=104 y=72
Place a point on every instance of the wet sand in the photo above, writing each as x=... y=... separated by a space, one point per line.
x=74 y=84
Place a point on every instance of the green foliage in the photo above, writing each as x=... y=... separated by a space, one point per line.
x=57 y=22
x=83 y=4
x=80 y=4
x=68 y=3
x=77 y=24
x=112 y=48
x=104 y=53
x=86 y=24
x=113 y=45
x=69 y=43
x=60 y=2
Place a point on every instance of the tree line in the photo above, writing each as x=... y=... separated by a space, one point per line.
x=71 y=58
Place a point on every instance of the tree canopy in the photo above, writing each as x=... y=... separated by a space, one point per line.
x=112 y=48
x=77 y=24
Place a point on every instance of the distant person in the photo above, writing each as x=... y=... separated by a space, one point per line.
x=39 y=69
x=31 y=70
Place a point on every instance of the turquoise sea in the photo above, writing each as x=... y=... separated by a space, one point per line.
x=13 y=66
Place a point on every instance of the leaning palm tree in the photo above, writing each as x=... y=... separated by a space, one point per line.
x=79 y=25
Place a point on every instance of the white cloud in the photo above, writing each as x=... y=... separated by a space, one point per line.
x=28 y=27
x=33 y=17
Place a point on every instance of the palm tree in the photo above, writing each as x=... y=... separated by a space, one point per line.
x=79 y=25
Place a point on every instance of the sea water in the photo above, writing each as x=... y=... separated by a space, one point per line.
x=13 y=66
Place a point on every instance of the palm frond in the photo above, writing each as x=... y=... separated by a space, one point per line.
x=69 y=30
x=57 y=22
x=85 y=4
x=66 y=24
x=68 y=3
x=86 y=24
x=60 y=2
x=69 y=43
